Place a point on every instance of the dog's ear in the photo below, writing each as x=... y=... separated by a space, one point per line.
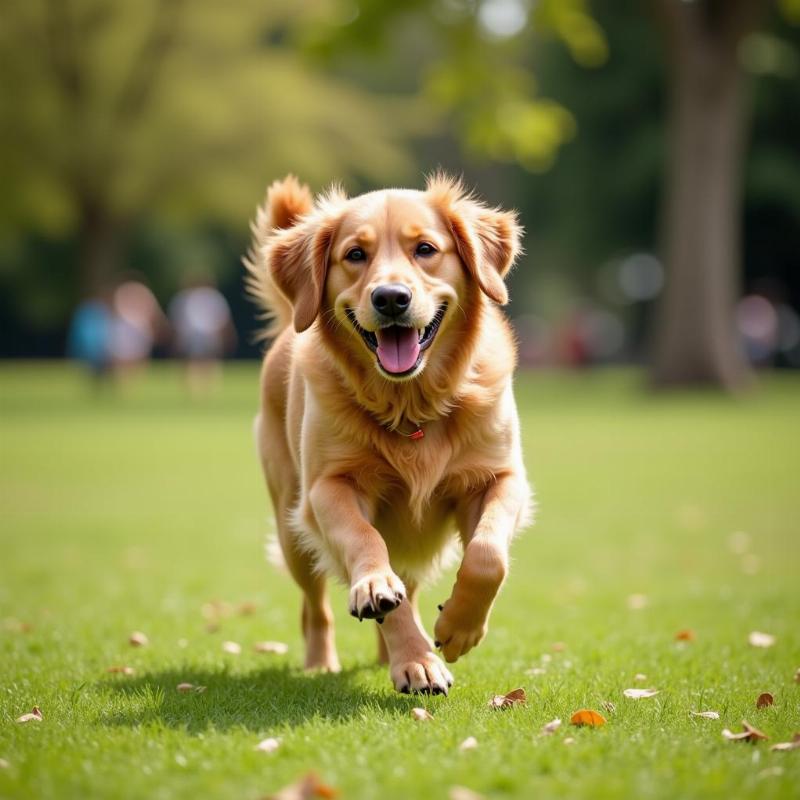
x=298 y=258
x=487 y=239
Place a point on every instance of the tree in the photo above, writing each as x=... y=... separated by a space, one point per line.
x=113 y=111
x=695 y=339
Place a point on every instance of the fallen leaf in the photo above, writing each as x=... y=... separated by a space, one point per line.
x=308 y=787
x=551 y=727
x=705 y=714
x=121 y=669
x=759 y=639
x=421 y=715
x=585 y=716
x=569 y=740
x=607 y=705
x=138 y=639
x=268 y=745
x=271 y=647
x=514 y=697
x=764 y=699
x=639 y=677
x=638 y=694
x=793 y=745
x=234 y=648
x=470 y=743
x=34 y=715
x=749 y=734
x=687 y=635
x=247 y=608
x=463 y=793
x=636 y=602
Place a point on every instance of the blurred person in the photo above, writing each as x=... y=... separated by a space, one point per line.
x=138 y=323
x=203 y=330
x=89 y=337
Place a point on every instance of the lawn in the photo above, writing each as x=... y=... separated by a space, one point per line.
x=144 y=510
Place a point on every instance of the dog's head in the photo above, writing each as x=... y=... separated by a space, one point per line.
x=388 y=271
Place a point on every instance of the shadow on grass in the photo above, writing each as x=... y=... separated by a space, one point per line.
x=263 y=699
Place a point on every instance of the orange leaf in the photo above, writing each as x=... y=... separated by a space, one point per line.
x=764 y=699
x=585 y=716
x=687 y=635
x=308 y=787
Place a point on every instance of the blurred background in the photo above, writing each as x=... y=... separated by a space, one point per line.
x=651 y=149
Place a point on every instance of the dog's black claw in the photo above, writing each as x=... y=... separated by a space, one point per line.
x=437 y=643
x=440 y=607
x=404 y=690
x=386 y=603
x=438 y=689
x=379 y=620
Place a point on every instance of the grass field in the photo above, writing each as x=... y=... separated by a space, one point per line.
x=130 y=511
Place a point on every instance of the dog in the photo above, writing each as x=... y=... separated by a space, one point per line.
x=388 y=428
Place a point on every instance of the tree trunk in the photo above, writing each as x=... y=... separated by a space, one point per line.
x=100 y=248
x=695 y=338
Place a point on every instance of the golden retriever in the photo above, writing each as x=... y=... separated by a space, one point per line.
x=388 y=422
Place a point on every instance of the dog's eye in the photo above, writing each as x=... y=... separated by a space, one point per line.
x=355 y=254
x=424 y=249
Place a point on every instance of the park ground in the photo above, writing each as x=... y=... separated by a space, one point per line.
x=138 y=509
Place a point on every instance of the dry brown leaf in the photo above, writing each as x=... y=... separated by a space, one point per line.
x=34 y=715
x=470 y=743
x=280 y=648
x=793 y=745
x=247 y=608
x=138 y=639
x=233 y=648
x=586 y=716
x=705 y=714
x=551 y=727
x=514 y=697
x=749 y=734
x=686 y=635
x=764 y=699
x=421 y=715
x=639 y=694
x=607 y=705
x=121 y=669
x=268 y=745
x=307 y=788
x=636 y=602
x=759 y=639
x=463 y=793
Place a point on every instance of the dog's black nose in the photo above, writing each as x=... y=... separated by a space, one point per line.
x=391 y=299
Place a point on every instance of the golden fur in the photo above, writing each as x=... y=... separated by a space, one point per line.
x=353 y=495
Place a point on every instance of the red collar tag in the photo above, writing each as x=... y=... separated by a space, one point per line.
x=418 y=434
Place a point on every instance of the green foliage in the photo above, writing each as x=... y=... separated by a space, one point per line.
x=171 y=107
x=131 y=509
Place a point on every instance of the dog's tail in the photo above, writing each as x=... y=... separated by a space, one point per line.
x=286 y=202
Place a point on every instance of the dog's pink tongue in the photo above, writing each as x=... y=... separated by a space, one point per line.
x=398 y=348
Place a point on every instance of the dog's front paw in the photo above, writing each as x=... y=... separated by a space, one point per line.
x=376 y=595
x=459 y=628
x=421 y=674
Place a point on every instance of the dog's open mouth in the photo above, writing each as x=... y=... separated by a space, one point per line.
x=399 y=348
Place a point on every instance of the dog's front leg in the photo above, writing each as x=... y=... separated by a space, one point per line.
x=357 y=547
x=488 y=523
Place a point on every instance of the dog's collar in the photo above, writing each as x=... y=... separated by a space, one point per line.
x=415 y=435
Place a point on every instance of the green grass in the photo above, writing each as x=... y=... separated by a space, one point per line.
x=130 y=511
